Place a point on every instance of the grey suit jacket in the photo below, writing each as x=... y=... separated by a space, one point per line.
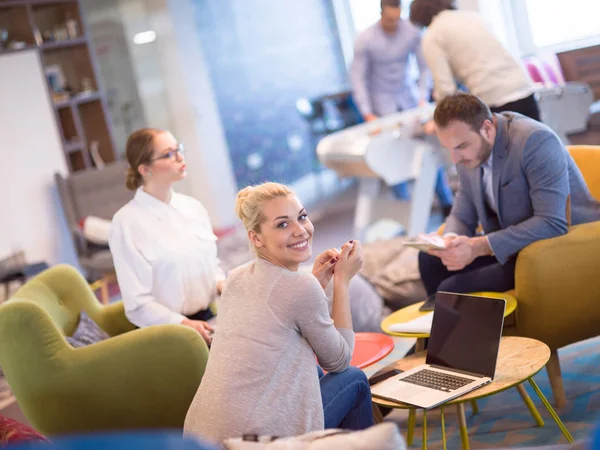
x=532 y=176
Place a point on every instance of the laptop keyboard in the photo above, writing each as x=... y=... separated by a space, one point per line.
x=437 y=380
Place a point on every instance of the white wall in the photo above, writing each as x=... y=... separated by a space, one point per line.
x=30 y=154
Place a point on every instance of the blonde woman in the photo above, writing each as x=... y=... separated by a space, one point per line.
x=273 y=320
x=163 y=247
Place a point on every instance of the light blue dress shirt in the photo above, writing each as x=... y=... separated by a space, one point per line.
x=379 y=74
x=486 y=181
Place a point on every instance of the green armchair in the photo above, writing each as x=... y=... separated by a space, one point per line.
x=139 y=378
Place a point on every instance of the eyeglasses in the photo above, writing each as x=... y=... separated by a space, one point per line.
x=171 y=154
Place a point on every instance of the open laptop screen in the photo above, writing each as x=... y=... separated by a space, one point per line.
x=465 y=334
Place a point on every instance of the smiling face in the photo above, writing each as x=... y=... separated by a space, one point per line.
x=285 y=235
x=467 y=146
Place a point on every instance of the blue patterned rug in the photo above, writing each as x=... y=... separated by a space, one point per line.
x=504 y=420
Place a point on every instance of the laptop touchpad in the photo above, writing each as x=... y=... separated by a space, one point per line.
x=408 y=391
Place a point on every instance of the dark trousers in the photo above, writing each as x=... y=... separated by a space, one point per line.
x=203 y=314
x=483 y=274
x=527 y=106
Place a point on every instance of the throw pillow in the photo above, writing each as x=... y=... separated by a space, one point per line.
x=95 y=229
x=86 y=333
x=384 y=436
x=12 y=432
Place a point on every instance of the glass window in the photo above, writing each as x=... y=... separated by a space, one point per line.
x=555 y=22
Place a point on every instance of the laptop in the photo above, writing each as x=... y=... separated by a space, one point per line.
x=461 y=355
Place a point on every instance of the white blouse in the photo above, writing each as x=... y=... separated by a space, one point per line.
x=165 y=257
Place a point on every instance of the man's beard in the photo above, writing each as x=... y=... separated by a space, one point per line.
x=484 y=151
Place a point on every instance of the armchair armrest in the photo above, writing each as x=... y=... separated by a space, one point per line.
x=558 y=287
x=143 y=379
x=112 y=319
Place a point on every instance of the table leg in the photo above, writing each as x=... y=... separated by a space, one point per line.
x=104 y=296
x=464 y=434
x=529 y=403
x=474 y=406
x=424 y=445
x=377 y=416
x=410 y=433
x=548 y=406
x=368 y=191
x=443 y=427
x=420 y=345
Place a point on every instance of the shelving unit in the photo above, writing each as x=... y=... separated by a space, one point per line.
x=82 y=114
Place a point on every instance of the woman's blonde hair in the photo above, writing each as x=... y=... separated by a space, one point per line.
x=250 y=200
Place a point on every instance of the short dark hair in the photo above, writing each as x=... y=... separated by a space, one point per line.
x=390 y=4
x=422 y=12
x=462 y=107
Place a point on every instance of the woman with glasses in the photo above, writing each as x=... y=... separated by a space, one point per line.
x=163 y=247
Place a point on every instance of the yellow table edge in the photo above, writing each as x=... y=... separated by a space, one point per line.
x=412 y=312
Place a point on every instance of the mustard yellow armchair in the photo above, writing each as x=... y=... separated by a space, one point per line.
x=557 y=281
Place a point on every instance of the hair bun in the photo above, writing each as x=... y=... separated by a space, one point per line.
x=241 y=197
x=133 y=179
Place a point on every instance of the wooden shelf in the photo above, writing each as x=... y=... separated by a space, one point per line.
x=76 y=161
x=15 y=19
x=81 y=119
x=63 y=44
x=78 y=100
x=12 y=3
x=72 y=146
x=95 y=127
x=11 y=50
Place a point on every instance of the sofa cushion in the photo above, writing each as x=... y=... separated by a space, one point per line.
x=384 y=436
x=86 y=333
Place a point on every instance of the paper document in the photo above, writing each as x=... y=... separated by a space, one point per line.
x=421 y=324
x=426 y=242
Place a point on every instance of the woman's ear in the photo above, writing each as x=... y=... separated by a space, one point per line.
x=255 y=238
x=144 y=170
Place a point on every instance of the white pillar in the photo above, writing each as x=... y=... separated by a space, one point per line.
x=193 y=109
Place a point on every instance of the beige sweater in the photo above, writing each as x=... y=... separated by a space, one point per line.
x=261 y=376
x=459 y=46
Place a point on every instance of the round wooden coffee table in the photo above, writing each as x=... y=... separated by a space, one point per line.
x=519 y=359
x=412 y=312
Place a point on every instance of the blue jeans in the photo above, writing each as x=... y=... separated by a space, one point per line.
x=442 y=189
x=346 y=399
